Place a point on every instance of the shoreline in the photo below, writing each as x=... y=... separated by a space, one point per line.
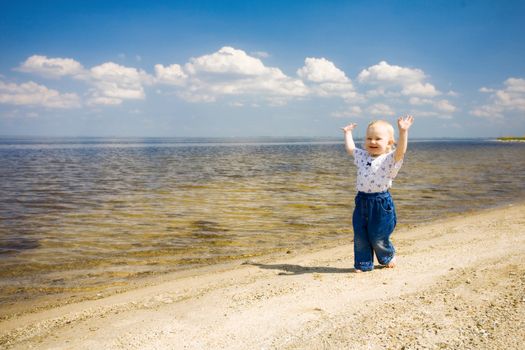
x=42 y=303
x=51 y=301
x=290 y=300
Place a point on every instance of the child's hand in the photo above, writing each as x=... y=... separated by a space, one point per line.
x=405 y=123
x=349 y=127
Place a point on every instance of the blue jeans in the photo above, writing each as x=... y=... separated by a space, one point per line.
x=374 y=220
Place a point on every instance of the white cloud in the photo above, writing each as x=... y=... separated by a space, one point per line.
x=320 y=70
x=382 y=92
x=196 y=97
x=441 y=105
x=353 y=111
x=227 y=61
x=109 y=83
x=507 y=100
x=397 y=85
x=231 y=71
x=260 y=54
x=51 y=67
x=96 y=99
x=490 y=112
x=418 y=101
x=114 y=83
x=276 y=101
x=384 y=72
x=380 y=109
x=325 y=79
x=430 y=114
x=515 y=85
x=409 y=80
x=172 y=75
x=420 y=89
x=444 y=106
x=343 y=90
x=35 y=95
x=484 y=89
x=433 y=114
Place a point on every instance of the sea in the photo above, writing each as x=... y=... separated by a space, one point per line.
x=83 y=215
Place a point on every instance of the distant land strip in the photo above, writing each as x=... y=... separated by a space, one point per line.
x=512 y=139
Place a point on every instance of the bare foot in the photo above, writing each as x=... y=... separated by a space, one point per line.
x=358 y=271
x=391 y=264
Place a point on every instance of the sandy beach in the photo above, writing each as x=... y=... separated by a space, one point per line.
x=459 y=284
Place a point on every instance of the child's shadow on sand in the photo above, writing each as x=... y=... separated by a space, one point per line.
x=289 y=269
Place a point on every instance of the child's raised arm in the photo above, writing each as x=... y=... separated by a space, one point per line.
x=403 y=124
x=349 y=140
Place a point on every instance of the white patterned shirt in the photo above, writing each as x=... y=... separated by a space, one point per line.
x=375 y=174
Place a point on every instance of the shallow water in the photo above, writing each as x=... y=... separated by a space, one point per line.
x=85 y=214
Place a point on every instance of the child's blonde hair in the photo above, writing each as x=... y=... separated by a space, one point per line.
x=390 y=130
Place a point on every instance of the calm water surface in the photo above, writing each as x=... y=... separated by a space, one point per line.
x=87 y=214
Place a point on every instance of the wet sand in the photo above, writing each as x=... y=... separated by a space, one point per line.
x=459 y=284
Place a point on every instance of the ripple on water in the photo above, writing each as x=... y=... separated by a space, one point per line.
x=77 y=216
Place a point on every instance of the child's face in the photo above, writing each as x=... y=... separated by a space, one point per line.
x=378 y=139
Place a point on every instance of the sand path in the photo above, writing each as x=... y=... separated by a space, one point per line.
x=460 y=283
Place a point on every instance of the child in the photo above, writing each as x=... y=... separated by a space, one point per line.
x=374 y=217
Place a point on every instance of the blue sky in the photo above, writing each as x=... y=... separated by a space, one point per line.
x=260 y=68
